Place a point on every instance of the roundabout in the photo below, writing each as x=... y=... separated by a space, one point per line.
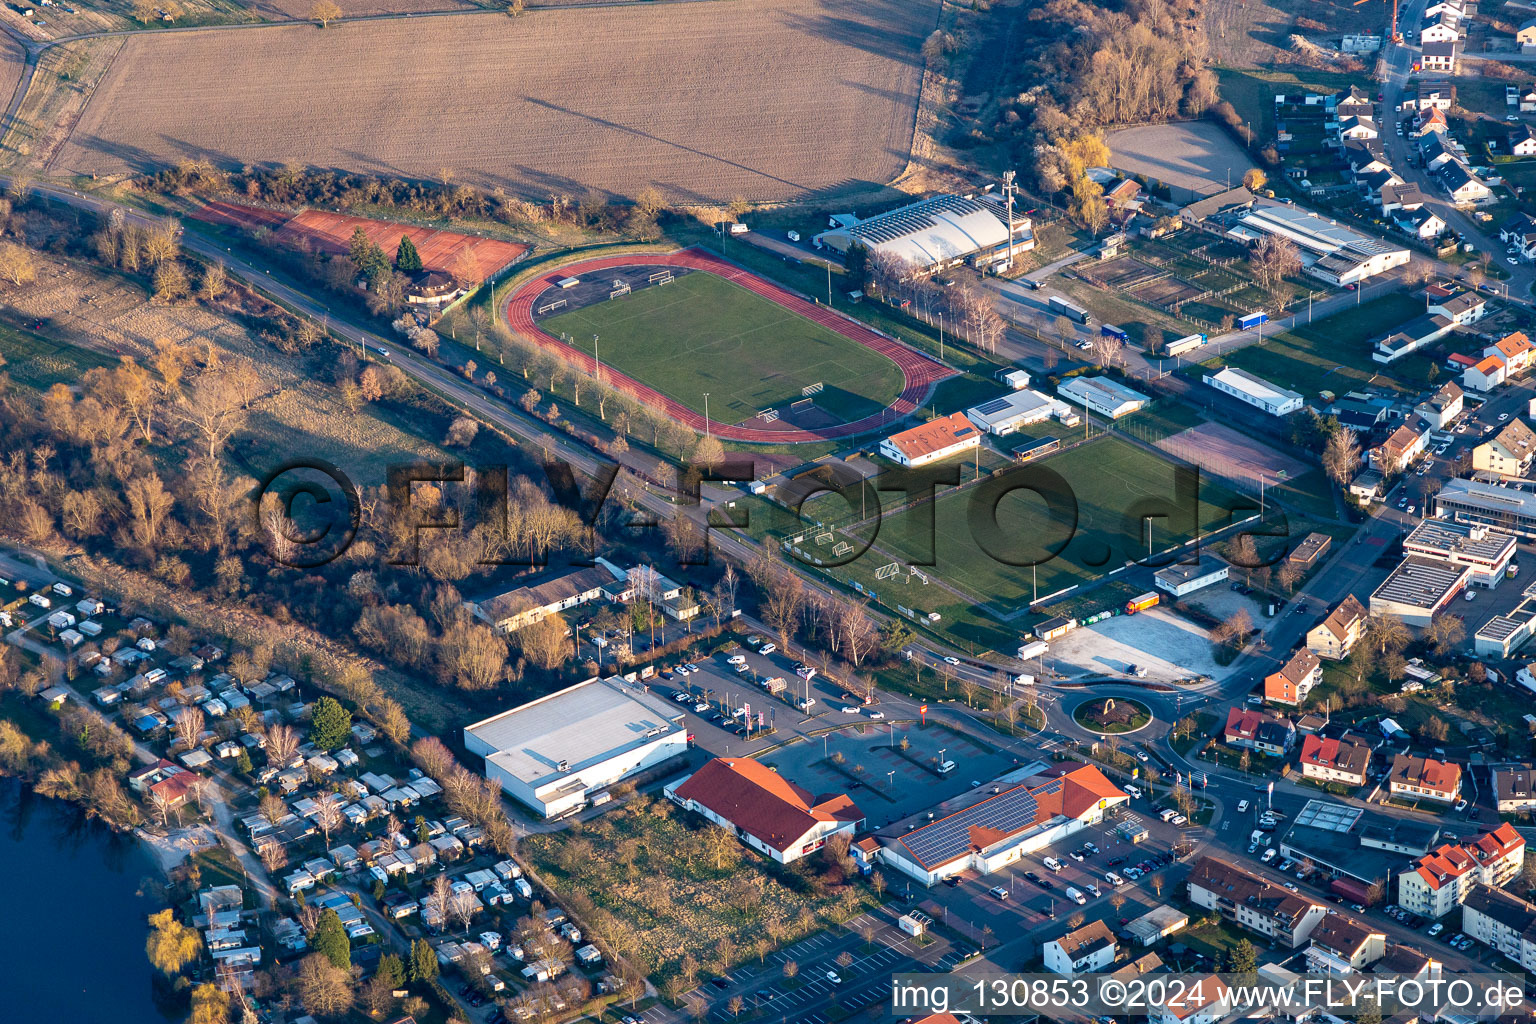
x=1112 y=716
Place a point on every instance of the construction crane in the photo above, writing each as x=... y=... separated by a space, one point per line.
x=1393 y=34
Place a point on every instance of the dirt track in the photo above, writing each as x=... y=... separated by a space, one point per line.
x=766 y=100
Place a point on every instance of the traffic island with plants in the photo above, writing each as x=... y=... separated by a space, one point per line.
x=1111 y=716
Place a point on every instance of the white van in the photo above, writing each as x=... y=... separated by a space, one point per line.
x=946 y=767
x=1168 y=813
x=1113 y=879
x=1075 y=896
x=1132 y=791
x=1052 y=863
x=1269 y=855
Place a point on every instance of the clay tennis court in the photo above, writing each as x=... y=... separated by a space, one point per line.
x=919 y=372
x=332 y=232
x=1227 y=453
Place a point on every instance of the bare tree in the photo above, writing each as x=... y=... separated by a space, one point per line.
x=328 y=815
x=282 y=745
x=1341 y=456
x=1273 y=259
x=325 y=12
x=189 y=727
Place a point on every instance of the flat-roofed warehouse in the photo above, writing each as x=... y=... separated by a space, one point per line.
x=553 y=753
x=1419 y=588
x=938 y=232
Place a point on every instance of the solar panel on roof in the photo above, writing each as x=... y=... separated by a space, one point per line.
x=995 y=405
x=1010 y=812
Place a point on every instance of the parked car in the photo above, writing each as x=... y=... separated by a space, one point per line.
x=767 y=648
x=998 y=892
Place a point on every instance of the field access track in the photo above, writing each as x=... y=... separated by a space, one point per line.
x=919 y=373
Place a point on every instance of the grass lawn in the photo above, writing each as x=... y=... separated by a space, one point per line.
x=703 y=334
x=663 y=893
x=1113 y=483
x=1332 y=355
x=40 y=362
x=1252 y=93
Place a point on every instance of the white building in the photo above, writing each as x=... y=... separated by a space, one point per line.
x=1441 y=880
x=554 y=753
x=1007 y=413
x=763 y=809
x=1337 y=254
x=1484 y=550
x=1102 y=395
x=1086 y=950
x=938 y=232
x=1256 y=391
x=1179 y=580
x=1501 y=921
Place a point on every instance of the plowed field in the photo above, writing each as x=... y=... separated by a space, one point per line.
x=707 y=101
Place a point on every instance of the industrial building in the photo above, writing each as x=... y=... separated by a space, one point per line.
x=763 y=809
x=1485 y=551
x=1419 y=589
x=1354 y=843
x=1255 y=391
x=1007 y=413
x=1102 y=395
x=935 y=233
x=1504 y=508
x=993 y=826
x=554 y=753
x=1330 y=251
x=509 y=610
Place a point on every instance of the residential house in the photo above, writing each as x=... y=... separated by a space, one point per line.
x=1431 y=123
x=1342 y=945
x=1514 y=789
x=1358 y=127
x=1441 y=28
x=1253 y=729
x=1366 y=156
x=1520 y=232
x=1420 y=222
x=1206 y=1002
x=1085 y=950
x=1441 y=408
x=1248 y=901
x=1432 y=92
x=1343 y=760
x=1416 y=778
x=1515 y=351
x=1525 y=35
x=1335 y=636
x=1501 y=921
x=1509 y=453
x=1521 y=140
x=1487 y=374
x=929 y=442
x=1295 y=679
x=1462 y=185
x=1459 y=306
x=765 y=810
x=1351 y=102
x=1440 y=56
x=1401 y=447
x=1400 y=196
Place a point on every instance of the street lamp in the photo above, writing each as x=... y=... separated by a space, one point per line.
x=706 y=414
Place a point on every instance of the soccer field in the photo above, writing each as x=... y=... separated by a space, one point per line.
x=702 y=333
x=1114 y=484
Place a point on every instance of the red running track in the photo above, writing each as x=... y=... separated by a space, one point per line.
x=919 y=372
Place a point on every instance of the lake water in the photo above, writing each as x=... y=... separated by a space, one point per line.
x=72 y=921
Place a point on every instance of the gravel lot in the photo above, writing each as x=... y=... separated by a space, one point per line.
x=1193 y=158
x=1168 y=646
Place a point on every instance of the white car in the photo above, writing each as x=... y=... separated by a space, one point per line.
x=767 y=648
x=877 y=714
x=736 y=659
x=850 y=709
x=1141 y=755
x=1511 y=261
x=1178 y=819
x=833 y=978
x=1503 y=416
x=1461 y=805
x=701 y=707
x=382 y=351
x=951 y=660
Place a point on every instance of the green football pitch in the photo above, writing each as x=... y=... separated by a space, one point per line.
x=1114 y=485
x=702 y=333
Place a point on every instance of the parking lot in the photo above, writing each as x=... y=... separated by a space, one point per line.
x=887 y=781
